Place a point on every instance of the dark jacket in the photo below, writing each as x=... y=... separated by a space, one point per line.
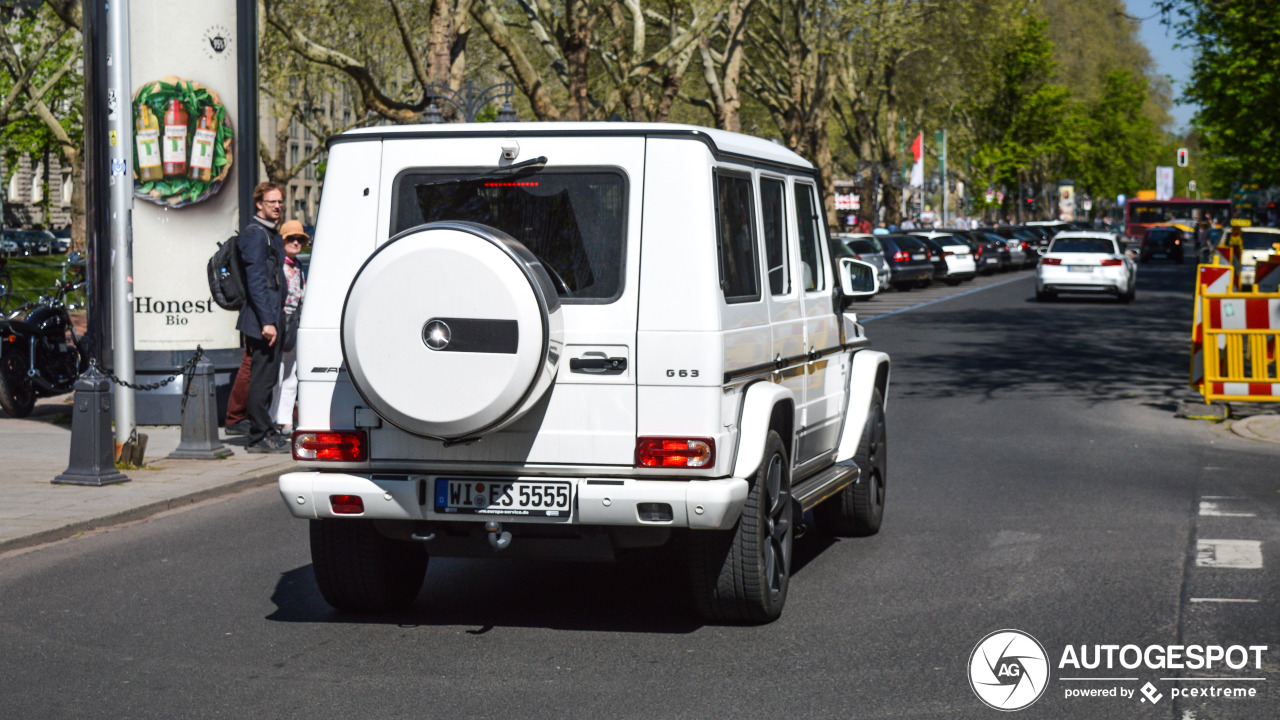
x=262 y=256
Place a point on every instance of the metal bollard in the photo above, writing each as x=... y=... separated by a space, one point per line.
x=200 y=418
x=92 y=444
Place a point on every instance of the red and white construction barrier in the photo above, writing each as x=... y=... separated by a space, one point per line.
x=1266 y=276
x=1209 y=279
x=1244 y=314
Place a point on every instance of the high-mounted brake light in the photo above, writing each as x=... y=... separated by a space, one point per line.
x=346 y=504
x=1113 y=261
x=1050 y=261
x=670 y=452
x=339 y=446
x=522 y=183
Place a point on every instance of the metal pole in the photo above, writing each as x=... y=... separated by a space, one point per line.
x=120 y=125
x=942 y=169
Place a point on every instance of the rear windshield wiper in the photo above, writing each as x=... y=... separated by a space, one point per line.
x=520 y=168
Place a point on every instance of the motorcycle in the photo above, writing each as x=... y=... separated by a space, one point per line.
x=40 y=353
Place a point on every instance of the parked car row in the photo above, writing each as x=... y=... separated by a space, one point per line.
x=34 y=242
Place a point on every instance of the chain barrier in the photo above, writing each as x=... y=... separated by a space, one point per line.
x=187 y=369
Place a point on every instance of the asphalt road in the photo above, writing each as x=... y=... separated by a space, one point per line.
x=1038 y=481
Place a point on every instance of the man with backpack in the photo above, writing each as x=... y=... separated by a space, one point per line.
x=261 y=253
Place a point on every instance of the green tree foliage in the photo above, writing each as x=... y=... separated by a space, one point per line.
x=1235 y=80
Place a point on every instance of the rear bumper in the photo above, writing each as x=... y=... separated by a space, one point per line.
x=700 y=504
x=910 y=273
x=1053 y=279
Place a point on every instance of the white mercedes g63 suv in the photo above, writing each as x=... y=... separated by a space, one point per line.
x=575 y=339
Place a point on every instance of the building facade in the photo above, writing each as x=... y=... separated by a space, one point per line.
x=36 y=193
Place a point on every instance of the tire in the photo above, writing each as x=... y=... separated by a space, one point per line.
x=359 y=570
x=741 y=576
x=17 y=398
x=952 y=282
x=1043 y=296
x=902 y=286
x=858 y=509
x=922 y=284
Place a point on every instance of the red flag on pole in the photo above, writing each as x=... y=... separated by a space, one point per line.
x=917 y=171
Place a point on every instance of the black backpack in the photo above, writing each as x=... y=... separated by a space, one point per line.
x=226 y=277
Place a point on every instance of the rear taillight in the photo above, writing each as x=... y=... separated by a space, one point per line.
x=346 y=504
x=1113 y=261
x=669 y=452
x=1050 y=261
x=947 y=253
x=901 y=256
x=339 y=446
x=1026 y=247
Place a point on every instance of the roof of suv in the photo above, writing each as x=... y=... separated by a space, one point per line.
x=720 y=141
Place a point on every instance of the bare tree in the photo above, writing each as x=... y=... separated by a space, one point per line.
x=385 y=85
x=792 y=74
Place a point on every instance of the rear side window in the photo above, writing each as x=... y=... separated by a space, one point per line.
x=574 y=221
x=736 y=239
x=810 y=237
x=773 y=213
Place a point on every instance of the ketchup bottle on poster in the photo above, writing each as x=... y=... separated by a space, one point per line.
x=175 y=140
x=202 y=146
x=147 y=136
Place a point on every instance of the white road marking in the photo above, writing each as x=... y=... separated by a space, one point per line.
x=1212 y=509
x=1224 y=600
x=1240 y=554
x=1221 y=497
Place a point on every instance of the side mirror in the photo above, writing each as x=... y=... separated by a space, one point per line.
x=857 y=278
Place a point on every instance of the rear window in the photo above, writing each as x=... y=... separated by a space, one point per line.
x=864 y=246
x=574 y=221
x=1083 y=245
x=1259 y=240
x=1161 y=235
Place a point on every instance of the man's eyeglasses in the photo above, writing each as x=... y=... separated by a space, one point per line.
x=272 y=202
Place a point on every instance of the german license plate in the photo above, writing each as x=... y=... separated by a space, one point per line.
x=918 y=256
x=527 y=498
x=1079 y=268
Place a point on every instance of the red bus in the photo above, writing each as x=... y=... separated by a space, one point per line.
x=1179 y=211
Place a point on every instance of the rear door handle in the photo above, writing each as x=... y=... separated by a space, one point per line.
x=603 y=365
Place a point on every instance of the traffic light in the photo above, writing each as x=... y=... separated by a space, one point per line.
x=1182 y=157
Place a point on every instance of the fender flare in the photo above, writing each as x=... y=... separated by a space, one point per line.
x=870 y=371
x=753 y=428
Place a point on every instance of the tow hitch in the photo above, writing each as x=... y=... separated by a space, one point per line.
x=498 y=537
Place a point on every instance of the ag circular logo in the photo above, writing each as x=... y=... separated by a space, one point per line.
x=436 y=334
x=1008 y=670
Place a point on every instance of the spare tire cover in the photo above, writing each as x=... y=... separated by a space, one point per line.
x=451 y=330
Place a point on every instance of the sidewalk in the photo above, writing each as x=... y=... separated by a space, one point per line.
x=37 y=448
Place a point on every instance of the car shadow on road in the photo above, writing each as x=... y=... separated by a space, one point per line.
x=643 y=592
x=1096 y=348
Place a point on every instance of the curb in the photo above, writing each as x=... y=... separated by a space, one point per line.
x=1263 y=428
x=47 y=536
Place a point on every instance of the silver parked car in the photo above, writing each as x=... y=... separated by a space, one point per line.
x=867 y=249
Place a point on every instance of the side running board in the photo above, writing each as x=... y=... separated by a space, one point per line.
x=825 y=483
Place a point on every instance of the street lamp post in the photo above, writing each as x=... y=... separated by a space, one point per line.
x=469 y=101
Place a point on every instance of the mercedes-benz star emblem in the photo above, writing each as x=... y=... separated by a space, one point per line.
x=436 y=335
